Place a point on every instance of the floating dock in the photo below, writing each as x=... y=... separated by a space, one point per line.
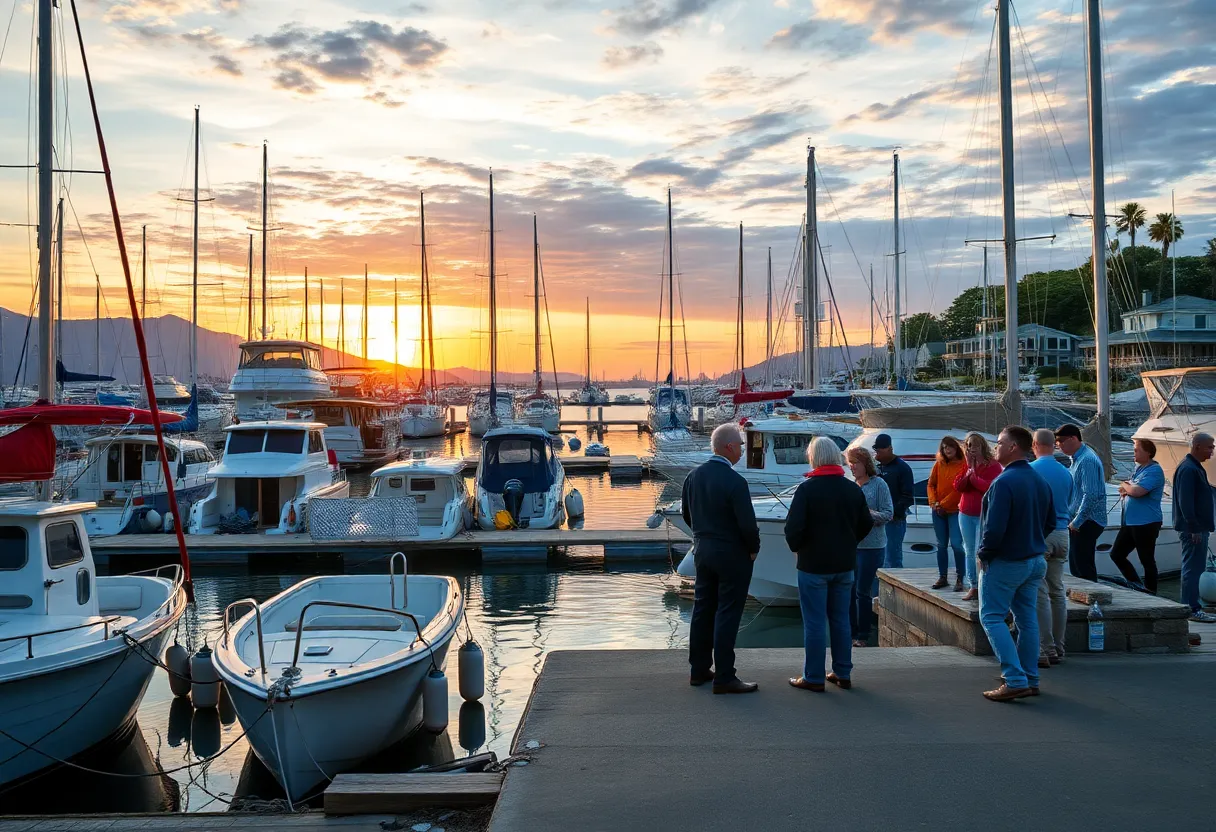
x=623 y=465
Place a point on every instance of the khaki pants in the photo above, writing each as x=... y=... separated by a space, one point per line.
x=1053 y=603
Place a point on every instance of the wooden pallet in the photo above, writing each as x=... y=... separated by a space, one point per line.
x=368 y=794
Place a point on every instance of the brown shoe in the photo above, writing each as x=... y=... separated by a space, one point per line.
x=941 y=583
x=970 y=595
x=958 y=585
x=843 y=684
x=799 y=682
x=1005 y=693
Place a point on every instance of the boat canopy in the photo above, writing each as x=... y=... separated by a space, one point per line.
x=516 y=454
x=663 y=396
x=279 y=355
x=1180 y=390
x=63 y=375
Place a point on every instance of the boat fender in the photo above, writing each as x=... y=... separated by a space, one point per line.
x=472 y=665
x=472 y=733
x=180 y=716
x=291 y=515
x=435 y=701
x=574 y=503
x=574 y=444
x=178 y=662
x=205 y=733
x=204 y=681
x=688 y=565
x=1207 y=587
x=151 y=520
x=655 y=520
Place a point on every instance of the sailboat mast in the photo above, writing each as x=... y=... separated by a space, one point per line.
x=194 y=263
x=341 y=322
x=768 y=325
x=143 y=273
x=396 y=336
x=671 y=304
x=426 y=333
x=898 y=329
x=589 y=387
x=493 y=321
x=810 y=286
x=739 y=314
x=249 y=309
x=59 y=283
x=97 y=325
x=1005 y=69
x=321 y=291
x=46 y=204
x=306 y=303
x=1093 y=44
x=870 y=357
x=365 y=310
x=265 y=214
x=536 y=304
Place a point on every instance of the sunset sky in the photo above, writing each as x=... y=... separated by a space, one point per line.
x=587 y=112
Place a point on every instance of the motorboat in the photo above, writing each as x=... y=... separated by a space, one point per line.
x=122 y=476
x=421 y=419
x=169 y=390
x=479 y=411
x=597 y=449
x=519 y=473
x=877 y=397
x=670 y=409
x=329 y=672
x=358 y=431
x=774 y=456
x=275 y=371
x=269 y=473
x=627 y=398
x=590 y=394
x=436 y=489
x=76 y=650
x=540 y=410
x=1181 y=402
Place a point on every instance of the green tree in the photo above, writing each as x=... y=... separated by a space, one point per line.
x=1131 y=217
x=921 y=328
x=1210 y=256
x=1166 y=230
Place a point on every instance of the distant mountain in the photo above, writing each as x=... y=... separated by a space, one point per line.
x=788 y=364
x=465 y=375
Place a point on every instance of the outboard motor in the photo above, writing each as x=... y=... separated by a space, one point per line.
x=513 y=501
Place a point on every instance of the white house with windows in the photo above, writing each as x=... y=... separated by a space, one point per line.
x=1175 y=332
x=1038 y=346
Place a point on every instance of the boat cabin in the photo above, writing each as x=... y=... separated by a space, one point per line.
x=359 y=431
x=119 y=467
x=46 y=567
x=276 y=371
x=433 y=485
x=522 y=454
x=772 y=444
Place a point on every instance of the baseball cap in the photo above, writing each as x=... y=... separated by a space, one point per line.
x=883 y=440
x=1068 y=430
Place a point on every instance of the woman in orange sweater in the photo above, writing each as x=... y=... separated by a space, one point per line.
x=943 y=500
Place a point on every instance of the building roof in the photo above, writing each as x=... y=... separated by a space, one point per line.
x=1158 y=335
x=1185 y=303
x=1024 y=329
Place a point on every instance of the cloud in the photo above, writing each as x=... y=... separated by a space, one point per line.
x=227 y=65
x=166 y=13
x=618 y=57
x=475 y=173
x=303 y=58
x=646 y=17
x=667 y=168
x=892 y=20
x=738 y=81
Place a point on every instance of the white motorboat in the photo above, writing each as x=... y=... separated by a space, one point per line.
x=276 y=371
x=330 y=671
x=269 y=473
x=122 y=475
x=76 y=650
x=1182 y=402
x=421 y=419
x=519 y=473
x=436 y=487
x=169 y=390
x=479 y=411
x=540 y=410
x=358 y=431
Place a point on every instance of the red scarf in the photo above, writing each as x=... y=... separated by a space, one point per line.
x=826 y=471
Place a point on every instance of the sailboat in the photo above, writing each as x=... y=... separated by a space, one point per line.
x=541 y=410
x=670 y=411
x=423 y=415
x=482 y=415
x=589 y=393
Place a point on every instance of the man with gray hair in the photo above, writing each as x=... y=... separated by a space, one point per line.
x=717 y=507
x=1053 y=602
x=1193 y=520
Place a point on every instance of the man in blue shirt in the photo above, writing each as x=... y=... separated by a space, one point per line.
x=897 y=474
x=1053 y=602
x=1017 y=517
x=1193 y=520
x=1087 y=509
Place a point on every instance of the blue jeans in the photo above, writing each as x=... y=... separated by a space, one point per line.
x=825 y=600
x=1194 y=560
x=1013 y=586
x=949 y=535
x=896 y=530
x=970 y=528
x=862 y=610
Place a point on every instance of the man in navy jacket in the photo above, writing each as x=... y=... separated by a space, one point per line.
x=1018 y=514
x=717 y=506
x=1193 y=520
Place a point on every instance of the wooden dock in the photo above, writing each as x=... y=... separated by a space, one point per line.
x=384 y=794
x=623 y=465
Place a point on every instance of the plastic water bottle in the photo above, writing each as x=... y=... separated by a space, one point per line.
x=1097 y=629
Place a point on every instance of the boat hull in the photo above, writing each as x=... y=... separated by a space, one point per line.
x=422 y=426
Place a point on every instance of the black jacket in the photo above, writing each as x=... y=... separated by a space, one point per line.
x=717 y=506
x=828 y=517
x=897 y=474
x=1192 y=497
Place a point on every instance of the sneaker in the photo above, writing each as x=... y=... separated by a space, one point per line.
x=1202 y=617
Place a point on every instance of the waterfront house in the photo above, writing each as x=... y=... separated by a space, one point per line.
x=1175 y=332
x=1038 y=346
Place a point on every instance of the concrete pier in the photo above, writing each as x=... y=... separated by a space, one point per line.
x=1116 y=742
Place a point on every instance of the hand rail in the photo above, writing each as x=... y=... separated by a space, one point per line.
x=178 y=577
x=257 y=613
x=295 y=656
x=29 y=638
x=405 y=581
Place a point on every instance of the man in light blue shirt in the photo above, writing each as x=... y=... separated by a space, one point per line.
x=1053 y=603
x=1087 y=509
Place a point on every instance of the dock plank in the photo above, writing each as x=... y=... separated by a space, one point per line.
x=361 y=794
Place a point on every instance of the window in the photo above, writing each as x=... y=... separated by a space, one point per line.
x=272 y=359
x=395 y=482
x=313 y=357
x=284 y=441
x=790 y=449
x=334 y=417
x=1064 y=343
x=245 y=441
x=422 y=484
x=755 y=449
x=1201 y=322
x=515 y=451
x=16 y=602
x=12 y=548
x=63 y=545
x=84 y=587
x=315 y=444
x=1053 y=343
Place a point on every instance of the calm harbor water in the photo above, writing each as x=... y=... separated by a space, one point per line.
x=518 y=613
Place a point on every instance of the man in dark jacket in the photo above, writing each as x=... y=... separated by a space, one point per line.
x=717 y=506
x=1193 y=520
x=1018 y=514
x=897 y=474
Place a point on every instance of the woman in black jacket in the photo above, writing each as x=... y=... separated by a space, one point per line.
x=828 y=517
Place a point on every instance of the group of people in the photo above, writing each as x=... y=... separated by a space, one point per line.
x=1012 y=514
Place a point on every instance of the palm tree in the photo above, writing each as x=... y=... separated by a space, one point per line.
x=1166 y=229
x=1130 y=217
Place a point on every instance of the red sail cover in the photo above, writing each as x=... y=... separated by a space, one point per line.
x=762 y=396
x=28 y=453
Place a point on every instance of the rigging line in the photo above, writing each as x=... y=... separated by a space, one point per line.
x=557 y=392
x=958 y=72
x=7 y=30
x=844 y=339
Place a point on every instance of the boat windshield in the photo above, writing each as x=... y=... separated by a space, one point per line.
x=523 y=458
x=245 y=442
x=279 y=358
x=663 y=396
x=284 y=441
x=1180 y=392
x=334 y=417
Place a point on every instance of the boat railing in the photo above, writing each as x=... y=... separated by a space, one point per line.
x=257 y=613
x=392 y=582
x=29 y=637
x=176 y=575
x=300 y=626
